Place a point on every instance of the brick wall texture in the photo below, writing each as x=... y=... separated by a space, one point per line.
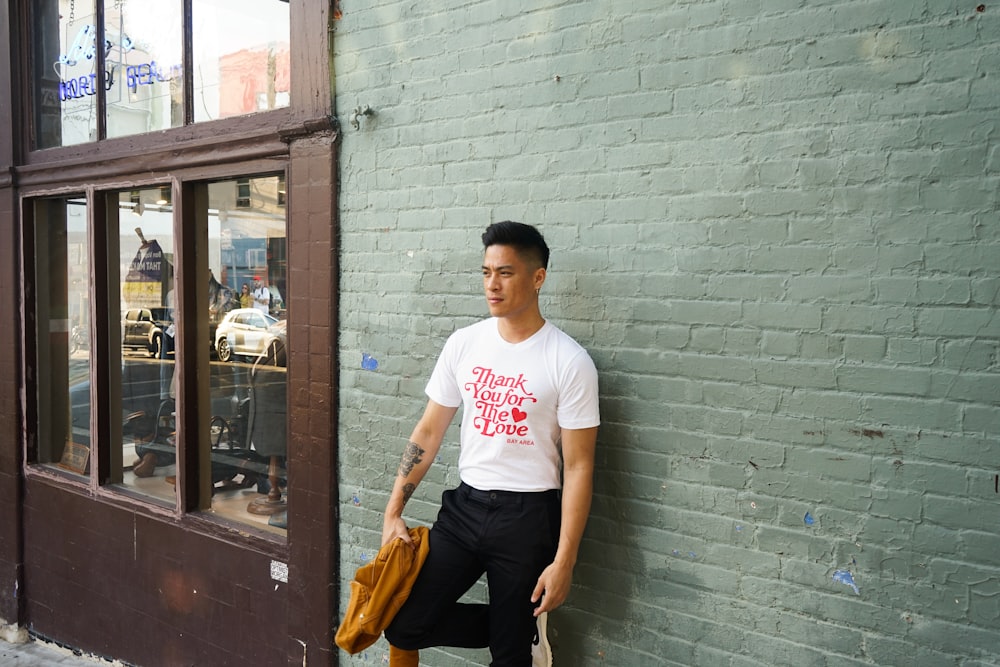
x=775 y=227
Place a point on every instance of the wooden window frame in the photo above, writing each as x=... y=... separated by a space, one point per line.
x=246 y=136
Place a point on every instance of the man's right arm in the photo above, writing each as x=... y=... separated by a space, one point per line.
x=419 y=453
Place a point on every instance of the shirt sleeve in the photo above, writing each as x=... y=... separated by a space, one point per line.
x=578 y=401
x=442 y=388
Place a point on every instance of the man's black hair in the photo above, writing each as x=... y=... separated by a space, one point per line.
x=526 y=239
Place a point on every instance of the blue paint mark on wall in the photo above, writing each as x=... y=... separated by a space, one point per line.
x=846 y=578
x=809 y=520
x=368 y=362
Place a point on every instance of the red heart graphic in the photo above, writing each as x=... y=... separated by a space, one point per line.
x=518 y=415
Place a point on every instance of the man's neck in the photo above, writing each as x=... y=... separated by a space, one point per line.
x=521 y=329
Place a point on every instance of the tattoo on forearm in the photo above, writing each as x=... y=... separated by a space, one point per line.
x=411 y=457
x=407 y=491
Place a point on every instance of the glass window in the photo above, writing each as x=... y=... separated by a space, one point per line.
x=243 y=370
x=62 y=272
x=248 y=375
x=146 y=301
x=65 y=76
x=241 y=62
x=144 y=61
x=243 y=193
x=240 y=52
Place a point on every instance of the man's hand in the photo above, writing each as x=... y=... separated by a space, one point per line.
x=393 y=528
x=552 y=587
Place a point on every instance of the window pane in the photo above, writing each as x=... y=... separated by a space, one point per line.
x=61 y=278
x=145 y=59
x=65 y=72
x=240 y=57
x=241 y=64
x=248 y=375
x=146 y=300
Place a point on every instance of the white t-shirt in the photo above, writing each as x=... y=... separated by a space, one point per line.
x=516 y=397
x=262 y=299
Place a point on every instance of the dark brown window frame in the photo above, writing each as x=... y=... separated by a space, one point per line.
x=288 y=138
x=187 y=60
x=210 y=150
x=184 y=157
x=308 y=112
x=189 y=188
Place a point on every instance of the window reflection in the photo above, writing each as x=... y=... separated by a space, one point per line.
x=144 y=60
x=241 y=57
x=246 y=241
x=63 y=306
x=65 y=72
x=240 y=51
x=146 y=302
x=246 y=376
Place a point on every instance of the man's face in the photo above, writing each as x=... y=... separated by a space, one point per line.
x=510 y=283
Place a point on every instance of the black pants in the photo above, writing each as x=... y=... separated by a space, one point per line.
x=511 y=537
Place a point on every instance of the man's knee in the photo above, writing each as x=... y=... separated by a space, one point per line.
x=398 y=636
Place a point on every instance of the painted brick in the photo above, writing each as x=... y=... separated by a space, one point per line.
x=981 y=419
x=969 y=355
x=773 y=226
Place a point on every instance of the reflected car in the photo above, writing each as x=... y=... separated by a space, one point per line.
x=274 y=352
x=142 y=329
x=247 y=332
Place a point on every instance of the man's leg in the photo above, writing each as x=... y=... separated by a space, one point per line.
x=399 y=657
x=431 y=615
x=523 y=535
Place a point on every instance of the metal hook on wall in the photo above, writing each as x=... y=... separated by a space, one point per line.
x=358 y=113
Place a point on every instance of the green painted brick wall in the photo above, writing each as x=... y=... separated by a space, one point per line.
x=776 y=227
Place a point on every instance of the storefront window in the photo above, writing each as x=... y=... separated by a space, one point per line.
x=246 y=374
x=65 y=76
x=62 y=271
x=144 y=42
x=248 y=278
x=238 y=228
x=241 y=62
x=240 y=65
x=146 y=302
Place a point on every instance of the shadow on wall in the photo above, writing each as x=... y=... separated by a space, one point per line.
x=600 y=614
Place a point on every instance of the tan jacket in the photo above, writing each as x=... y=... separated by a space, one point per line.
x=379 y=589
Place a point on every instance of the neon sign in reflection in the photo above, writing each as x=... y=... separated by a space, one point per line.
x=81 y=86
x=147 y=74
x=84 y=46
x=144 y=74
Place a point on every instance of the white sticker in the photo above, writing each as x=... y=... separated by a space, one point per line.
x=279 y=571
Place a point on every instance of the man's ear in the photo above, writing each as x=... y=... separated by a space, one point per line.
x=539 y=277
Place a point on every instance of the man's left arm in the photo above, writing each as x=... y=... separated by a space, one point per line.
x=578 y=483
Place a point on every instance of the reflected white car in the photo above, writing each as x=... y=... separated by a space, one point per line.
x=250 y=333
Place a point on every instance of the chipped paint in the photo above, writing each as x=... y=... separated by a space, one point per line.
x=846 y=578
